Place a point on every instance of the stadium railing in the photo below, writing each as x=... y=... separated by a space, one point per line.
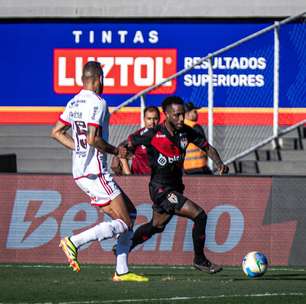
x=252 y=140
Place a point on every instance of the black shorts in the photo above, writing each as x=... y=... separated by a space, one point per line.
x=166 y=199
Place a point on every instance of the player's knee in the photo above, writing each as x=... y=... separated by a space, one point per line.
x=107 y=230
x=104 y=231
x=119 y=226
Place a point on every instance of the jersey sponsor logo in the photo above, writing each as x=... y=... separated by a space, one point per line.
x=95 y=110
x=75 y=115
x=172 y=198
x=75 y=103
x=174 y=159
x=164 y=160
x=126 y=71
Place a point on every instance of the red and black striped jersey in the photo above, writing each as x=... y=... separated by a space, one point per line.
x=166 y=152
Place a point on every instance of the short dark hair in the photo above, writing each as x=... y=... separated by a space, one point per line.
x=92 y=69
x=151 y=109
x=170 y=101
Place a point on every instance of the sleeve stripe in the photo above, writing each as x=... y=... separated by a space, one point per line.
x=93 y=124
x=66 y=123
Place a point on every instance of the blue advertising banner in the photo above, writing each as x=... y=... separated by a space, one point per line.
x=42 y=62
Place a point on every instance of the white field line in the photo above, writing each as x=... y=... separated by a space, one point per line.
x=175 y=299
x=280 y=268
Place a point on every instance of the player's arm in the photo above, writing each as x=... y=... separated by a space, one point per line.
x=59 y=133
x=120 y=166
x=213 y=154
x=124 y=162
x=137 y=139
x=199 y=130
x=97 y=113
x=94 y=139
x=116 y=165
x=125 y=166
x=200 y=141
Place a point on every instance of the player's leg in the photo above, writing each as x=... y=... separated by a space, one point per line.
x=124 y=241
x=102 y=194
x=156 y=225
x=122 y=208
x=194 y=212
x=198 y=216
x=98 y=190
x=105 y=194
x=102 y=231
x=160 y=216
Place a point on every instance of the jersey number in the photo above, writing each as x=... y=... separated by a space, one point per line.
x=81 y=134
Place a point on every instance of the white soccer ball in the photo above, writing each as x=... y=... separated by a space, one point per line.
x=254 y=264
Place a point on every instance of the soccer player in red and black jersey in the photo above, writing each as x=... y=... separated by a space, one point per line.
x=166 y=145
x=140 y=161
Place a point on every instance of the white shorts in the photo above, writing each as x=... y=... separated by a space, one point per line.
x=101 y=189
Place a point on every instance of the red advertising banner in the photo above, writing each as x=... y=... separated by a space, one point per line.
x=36 y=211
x=126 y=71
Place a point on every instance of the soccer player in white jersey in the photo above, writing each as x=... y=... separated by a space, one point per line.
x=87 y=114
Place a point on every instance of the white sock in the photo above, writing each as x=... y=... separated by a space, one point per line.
x=122 y=250
x=102 y=231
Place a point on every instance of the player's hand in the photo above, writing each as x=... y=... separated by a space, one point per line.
x=122 y=152
x=223 y=169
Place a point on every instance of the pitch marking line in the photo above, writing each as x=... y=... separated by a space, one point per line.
x=297 y=294
x=138 y=267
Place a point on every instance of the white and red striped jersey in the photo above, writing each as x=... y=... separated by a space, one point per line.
x=84 y=109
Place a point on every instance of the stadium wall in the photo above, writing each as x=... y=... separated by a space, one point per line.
x=156 y=8
x=244 y=214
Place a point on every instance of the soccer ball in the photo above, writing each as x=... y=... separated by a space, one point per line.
x=254 y=264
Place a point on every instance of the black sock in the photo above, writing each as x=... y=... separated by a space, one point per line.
x=143 y=233
x=198 y=237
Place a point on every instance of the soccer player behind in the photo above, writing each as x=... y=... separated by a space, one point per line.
x=140 y=162
x=166 y=146
x=88 y=116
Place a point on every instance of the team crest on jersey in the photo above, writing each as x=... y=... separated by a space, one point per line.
x=172 y=198
x=183 y=141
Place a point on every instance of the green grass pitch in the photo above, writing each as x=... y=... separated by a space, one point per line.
x=168 y=284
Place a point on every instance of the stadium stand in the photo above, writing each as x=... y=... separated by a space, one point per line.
x=36 y=152
x=283 y=156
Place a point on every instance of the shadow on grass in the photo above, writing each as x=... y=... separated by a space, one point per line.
x=278 y=277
